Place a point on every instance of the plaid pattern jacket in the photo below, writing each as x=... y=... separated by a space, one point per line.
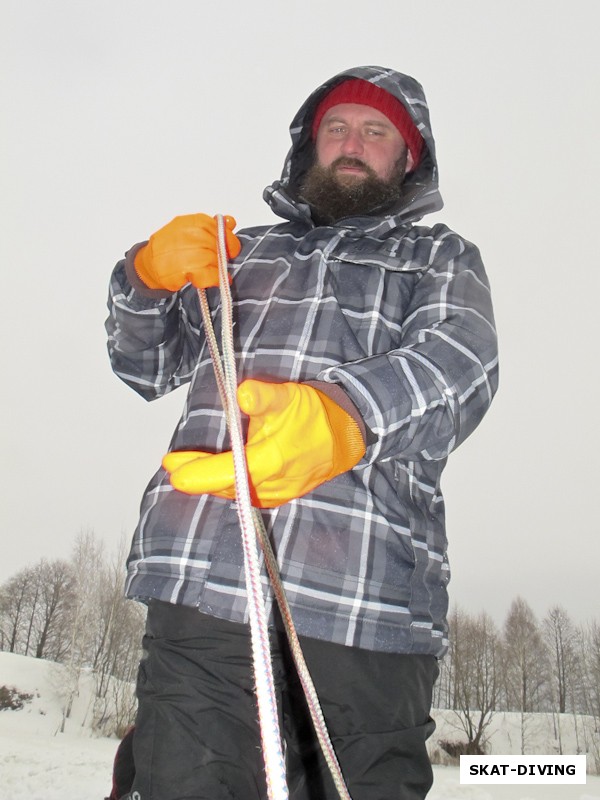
x=396 y=314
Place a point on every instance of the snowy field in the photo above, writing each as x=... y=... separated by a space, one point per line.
x=38 y=762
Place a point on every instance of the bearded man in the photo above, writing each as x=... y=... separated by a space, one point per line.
x=366 y=349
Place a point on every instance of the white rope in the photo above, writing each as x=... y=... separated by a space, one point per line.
x=252 y=526
x=261 y=652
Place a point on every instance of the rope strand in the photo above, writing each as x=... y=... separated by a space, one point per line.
x=252 y=527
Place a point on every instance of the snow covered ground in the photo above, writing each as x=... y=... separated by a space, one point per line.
x=38 y=762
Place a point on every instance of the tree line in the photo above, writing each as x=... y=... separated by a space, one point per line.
x=525 y=666
x=73 y=612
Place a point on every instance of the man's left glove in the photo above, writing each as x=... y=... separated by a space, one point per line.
x=298 y=438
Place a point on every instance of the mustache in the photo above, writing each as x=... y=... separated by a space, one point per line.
x=347 y=161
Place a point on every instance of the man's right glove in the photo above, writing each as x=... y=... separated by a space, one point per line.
x=185 y=251
x=298 y=438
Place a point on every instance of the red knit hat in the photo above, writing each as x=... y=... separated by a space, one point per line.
x=364 y=93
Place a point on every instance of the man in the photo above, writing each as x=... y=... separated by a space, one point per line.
x=366 y=353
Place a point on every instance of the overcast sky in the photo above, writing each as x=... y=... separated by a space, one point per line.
x=118 y=115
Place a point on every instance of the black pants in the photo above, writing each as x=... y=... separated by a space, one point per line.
x=197 y=735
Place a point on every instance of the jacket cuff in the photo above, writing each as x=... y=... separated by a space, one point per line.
x=135 y=280
x=335 y=392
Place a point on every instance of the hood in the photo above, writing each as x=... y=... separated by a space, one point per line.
x=420 y=189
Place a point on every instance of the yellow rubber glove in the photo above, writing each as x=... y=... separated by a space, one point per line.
x=185 y=251
x=298 y=438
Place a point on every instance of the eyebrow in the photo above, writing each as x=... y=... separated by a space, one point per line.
x=338 y=118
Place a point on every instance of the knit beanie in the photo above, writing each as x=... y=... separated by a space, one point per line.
x=364 y=93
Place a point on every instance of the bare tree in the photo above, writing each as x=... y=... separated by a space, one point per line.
x=116 y=670
x=86 y=564
x=15 y=603
x=35 y=607
x=524 y=665
x=119 y=626
x=524 y=659
x=51 y=618
x=474 y=657
x=559 y=635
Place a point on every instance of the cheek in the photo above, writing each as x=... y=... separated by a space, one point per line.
x=387 y=160
x=386 y=171
x=325 y=152
x=381 y=165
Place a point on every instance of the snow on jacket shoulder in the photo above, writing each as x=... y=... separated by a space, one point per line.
x=397 y=314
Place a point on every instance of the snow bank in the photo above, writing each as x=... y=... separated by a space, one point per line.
x=508 y=733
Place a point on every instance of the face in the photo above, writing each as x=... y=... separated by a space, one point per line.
x=359 y=136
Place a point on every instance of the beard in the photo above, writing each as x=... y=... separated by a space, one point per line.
x=332 y=198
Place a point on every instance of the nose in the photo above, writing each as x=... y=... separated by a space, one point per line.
x=352 y=144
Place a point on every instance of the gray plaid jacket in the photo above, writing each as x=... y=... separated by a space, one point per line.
x=396 y=314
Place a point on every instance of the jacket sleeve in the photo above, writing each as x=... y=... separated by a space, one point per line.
x=423 y=399
x=152 y=344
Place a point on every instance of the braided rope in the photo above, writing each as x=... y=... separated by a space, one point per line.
x=252 y=522
x=261 y=652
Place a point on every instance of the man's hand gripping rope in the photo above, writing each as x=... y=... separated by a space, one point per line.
x=298 y=438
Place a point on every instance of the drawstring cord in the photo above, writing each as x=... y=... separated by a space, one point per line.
x=252 y=527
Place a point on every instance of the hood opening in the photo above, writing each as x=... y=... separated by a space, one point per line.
x=420 y=194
